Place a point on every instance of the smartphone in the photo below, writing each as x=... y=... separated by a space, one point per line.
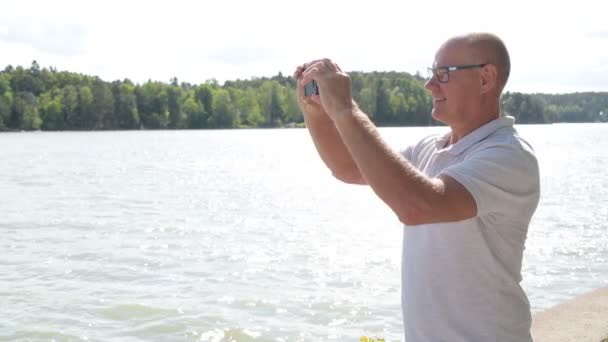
x=311 y=88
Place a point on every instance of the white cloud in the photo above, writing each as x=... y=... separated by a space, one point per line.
x=44 y=36
x=555 y=46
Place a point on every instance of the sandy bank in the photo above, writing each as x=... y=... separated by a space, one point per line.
x=582 y=319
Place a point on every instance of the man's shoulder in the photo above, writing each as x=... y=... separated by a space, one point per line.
x=430 y=140
x=506 y=138
x=428 y=144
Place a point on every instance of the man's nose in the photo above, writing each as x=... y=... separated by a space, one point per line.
x=431 y=83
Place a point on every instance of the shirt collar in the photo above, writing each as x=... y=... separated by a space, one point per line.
x=475 y=136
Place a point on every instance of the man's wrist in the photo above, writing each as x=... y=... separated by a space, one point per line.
x=346 y=117
x=346 y=112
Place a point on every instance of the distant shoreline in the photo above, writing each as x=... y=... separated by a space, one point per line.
x=41 y=98
x=294 y=126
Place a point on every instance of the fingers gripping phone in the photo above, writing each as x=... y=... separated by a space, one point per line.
x=311 y=88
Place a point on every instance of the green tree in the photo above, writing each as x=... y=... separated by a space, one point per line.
x=204 y=96
x=86 y=118
x=126 y=115
x=290 y=103
x=24 y=81
x=383 y=107
x=400 y=107
x=276 y=109
x=174 y=94
x=70 y=106
x=49 y=79
x=250 y=109
x=264 y=95
x=193 y=111
x=224 y=113
x=367 y=101
x=152 y=105
x=6 y=101
x=25 y=112
x=51 y=110
x=525 y=108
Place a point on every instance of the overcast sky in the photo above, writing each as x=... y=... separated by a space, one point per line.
x=555 y=46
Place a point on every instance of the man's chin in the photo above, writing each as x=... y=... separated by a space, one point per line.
x=437 y=115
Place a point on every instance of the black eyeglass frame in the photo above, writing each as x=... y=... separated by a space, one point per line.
x=433 y=71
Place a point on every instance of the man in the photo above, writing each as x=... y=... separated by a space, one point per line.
x=466 y=198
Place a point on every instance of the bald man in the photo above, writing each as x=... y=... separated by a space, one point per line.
x=465 y=197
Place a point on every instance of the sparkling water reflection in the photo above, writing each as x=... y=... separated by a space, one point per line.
x=244 y=236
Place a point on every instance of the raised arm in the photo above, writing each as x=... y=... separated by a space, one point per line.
x=413 y=197
x=326 y=138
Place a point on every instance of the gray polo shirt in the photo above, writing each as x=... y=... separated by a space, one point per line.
x=461 y=280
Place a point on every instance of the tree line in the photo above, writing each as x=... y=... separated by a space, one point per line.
x=550 y=108
x=47 y=99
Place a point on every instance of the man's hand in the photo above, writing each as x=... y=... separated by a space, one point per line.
x=335 y=94
x=322 y=128
x=309 y=105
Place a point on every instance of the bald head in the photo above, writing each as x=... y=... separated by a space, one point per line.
x=486 y=48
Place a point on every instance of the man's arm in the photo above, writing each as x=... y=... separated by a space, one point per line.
x=326 y=138
x=331 y=149
x=414 y=197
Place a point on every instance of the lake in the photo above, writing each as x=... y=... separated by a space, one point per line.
x=243 y=235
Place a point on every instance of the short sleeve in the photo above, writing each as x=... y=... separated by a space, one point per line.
x=412 y=152
x=502 y=179
x=408 y=153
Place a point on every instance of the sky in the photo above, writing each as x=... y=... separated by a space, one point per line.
x=555 y=47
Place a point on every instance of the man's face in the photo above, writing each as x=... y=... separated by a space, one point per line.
x=454 y=100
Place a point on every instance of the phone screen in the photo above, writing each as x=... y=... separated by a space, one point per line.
x=311 y=88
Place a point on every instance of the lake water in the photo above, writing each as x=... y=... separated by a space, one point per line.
x=243 y=235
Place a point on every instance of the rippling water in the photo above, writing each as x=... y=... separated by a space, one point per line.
x=243 y=235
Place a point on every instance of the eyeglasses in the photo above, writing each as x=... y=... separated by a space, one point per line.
x=443 y=73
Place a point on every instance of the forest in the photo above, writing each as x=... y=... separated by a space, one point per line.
x=46 y=99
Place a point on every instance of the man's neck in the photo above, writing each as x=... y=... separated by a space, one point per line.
x=460 y=131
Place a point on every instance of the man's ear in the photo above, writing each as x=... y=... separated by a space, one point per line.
x=489 y=78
